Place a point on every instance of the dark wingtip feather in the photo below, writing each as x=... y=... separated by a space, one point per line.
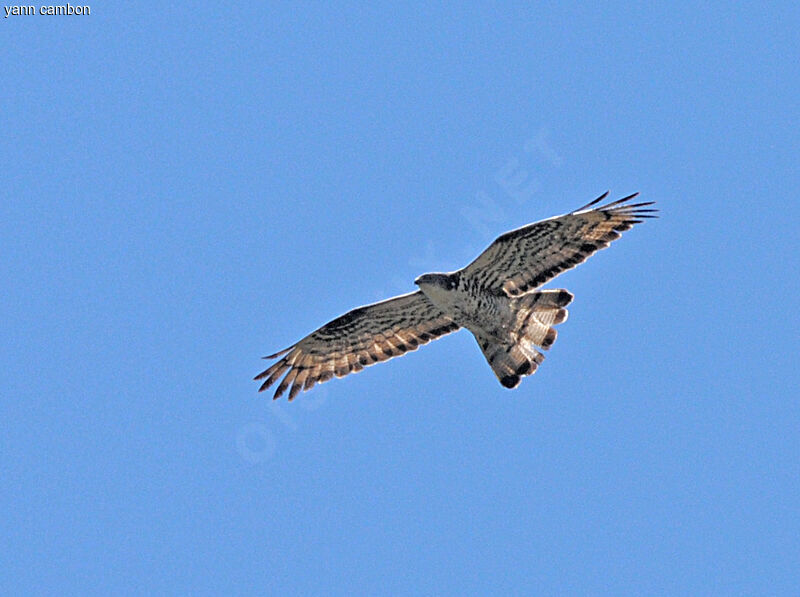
x=286 y=382
x=611 y=205
x=279 y=353
x=271 y=370
x=263 y=374
x=295 y=390
x=634 y=212
x=595 y=202
x=272 y=374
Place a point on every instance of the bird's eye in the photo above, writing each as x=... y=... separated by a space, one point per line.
x=451 y=284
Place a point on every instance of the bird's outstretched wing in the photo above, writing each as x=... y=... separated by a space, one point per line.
x=524 y=259
x=357 y=339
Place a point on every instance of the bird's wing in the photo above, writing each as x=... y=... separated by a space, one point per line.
x=357 y=339
x=524 y=259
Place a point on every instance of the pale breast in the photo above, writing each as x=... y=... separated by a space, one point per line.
x=480 y=312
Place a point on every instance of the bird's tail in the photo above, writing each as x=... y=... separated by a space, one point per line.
x=536 y=314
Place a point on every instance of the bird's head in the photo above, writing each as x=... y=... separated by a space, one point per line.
x=437 y=282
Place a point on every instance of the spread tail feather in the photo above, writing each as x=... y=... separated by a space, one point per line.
x=536 y=314
x=510 y=362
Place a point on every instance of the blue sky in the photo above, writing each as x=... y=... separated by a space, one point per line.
x=187 y=187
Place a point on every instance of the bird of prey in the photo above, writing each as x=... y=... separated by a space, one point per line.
x=497 y=297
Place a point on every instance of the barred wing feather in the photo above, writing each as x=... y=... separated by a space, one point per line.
x=357 y=339
x=524 y=259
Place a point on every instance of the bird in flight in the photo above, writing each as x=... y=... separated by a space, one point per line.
x=497 y=297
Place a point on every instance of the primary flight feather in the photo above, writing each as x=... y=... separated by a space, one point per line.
x=495 y=297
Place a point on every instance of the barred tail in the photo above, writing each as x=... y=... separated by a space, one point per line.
x=536 y=314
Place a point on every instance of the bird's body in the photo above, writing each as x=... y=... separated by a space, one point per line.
x=506 y=328
x=468 y=304
x=496 y=297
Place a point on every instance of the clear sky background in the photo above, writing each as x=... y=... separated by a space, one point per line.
x=189 y=186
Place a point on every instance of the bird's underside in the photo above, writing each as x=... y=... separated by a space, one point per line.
x=497 y=297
